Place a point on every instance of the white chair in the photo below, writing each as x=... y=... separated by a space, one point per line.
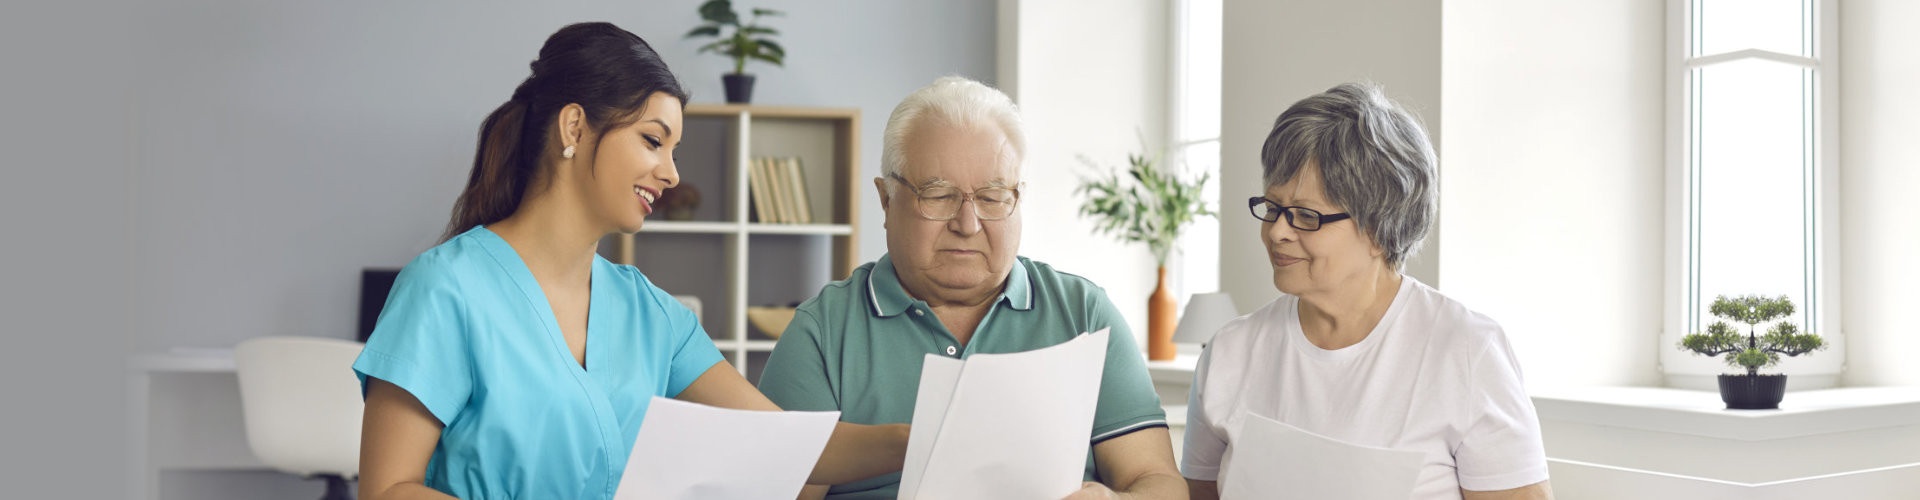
x=302 y=407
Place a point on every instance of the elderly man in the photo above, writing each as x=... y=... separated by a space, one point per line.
x=951 y=285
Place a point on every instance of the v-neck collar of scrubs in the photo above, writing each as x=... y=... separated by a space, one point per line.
x=516 y=266
x=588 y=383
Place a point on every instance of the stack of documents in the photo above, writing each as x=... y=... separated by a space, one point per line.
x=1005 y=426
x=692 y=451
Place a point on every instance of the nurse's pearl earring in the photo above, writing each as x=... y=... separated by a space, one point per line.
x=567 y=153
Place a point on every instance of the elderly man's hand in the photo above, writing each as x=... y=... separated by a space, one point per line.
x=1094 y=491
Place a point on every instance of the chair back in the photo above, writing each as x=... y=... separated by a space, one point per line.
x=302 y=403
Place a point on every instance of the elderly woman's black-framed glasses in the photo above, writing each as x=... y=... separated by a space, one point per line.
x=1302 y=218
x=942 y=202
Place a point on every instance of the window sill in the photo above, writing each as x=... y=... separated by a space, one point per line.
x=1700 y=413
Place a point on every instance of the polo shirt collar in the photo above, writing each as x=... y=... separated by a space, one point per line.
x=887 y=298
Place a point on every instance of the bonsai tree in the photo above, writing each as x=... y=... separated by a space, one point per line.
x=1153 y=208
x=748 y=41
x=1751 y=350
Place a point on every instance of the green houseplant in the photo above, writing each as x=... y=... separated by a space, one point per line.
x=1752 y=351
x=749 y=40
x=1153 y=208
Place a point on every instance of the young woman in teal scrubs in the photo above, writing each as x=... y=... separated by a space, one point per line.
x=511 y=361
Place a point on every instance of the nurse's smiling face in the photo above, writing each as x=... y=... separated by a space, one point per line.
x=628 y=167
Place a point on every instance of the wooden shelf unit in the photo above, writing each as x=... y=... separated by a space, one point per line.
x=720 y=143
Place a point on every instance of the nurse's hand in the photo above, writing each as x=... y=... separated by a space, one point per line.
x=853 y=452
x=857 y=452
x=1094 y=491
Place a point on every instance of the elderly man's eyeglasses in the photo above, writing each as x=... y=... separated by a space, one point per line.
x=1302 y=218
x=942 y=202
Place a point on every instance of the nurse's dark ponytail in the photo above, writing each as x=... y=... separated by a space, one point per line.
x=608 y=71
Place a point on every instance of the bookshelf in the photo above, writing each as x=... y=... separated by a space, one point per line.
x=725 y=254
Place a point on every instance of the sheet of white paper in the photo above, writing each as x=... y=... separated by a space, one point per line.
x=693 y=451
x=1271 y=459
x=1014 y=426
x=938 y=376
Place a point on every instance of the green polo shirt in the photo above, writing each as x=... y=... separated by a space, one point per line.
x=858 y=346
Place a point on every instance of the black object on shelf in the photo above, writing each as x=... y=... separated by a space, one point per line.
x=1752 y=392
x=375 y=283
x=739 y=87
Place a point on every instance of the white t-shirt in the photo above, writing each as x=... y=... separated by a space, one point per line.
x=1433 y=376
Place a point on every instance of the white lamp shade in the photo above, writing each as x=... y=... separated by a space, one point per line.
x=1205 y=314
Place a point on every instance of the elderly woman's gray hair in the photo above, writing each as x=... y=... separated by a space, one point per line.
x=1374 y=159
x=955 y=101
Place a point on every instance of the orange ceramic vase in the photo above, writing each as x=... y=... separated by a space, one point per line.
x=1162 y=318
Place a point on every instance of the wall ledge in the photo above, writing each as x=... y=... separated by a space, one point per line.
x=1701 y=413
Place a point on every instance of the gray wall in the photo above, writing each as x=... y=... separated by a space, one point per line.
x=63 y=193
x=278 y=149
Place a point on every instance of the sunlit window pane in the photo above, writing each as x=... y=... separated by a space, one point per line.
x=1196 y=137
x=1751 y=213
x=1771 y=25
x=1200 y=111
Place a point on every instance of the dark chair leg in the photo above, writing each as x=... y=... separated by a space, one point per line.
x=336 y=487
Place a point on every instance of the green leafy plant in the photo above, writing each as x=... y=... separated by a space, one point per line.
x=1752 y=351
x=1153 y=208
x=749 y=40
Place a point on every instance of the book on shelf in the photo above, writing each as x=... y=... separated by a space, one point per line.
x=779 y=188
x=761 y=198
x=803 y=207
x=777 y=185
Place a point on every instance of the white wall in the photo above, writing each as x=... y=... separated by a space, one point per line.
x=1880 y=216
x=1089 y=81
x=1278 y=52
x=282 y=147
x=1553 y=181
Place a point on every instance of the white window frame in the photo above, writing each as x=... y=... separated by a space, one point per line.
x=1684 y=369
x=1197 y=261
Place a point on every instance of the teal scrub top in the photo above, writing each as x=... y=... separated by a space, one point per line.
x=468 y=332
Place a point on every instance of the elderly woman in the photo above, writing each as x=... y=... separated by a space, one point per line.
x=1353 y=349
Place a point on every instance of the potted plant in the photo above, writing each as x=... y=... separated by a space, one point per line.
x=748 y=41
x=1152 y=208
x=678 y=203
x=1752 y=391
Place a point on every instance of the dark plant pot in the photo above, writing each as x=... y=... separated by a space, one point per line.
x=739 y=87
x=1752 y=392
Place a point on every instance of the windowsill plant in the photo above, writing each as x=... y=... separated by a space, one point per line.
x=1152 y=208
x=1752 y=351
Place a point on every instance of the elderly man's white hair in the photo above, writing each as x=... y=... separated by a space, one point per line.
x=956 y=101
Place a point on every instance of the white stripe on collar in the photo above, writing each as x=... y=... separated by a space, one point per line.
x=875 y=296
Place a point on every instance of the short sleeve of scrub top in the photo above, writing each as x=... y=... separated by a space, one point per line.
x=468 y=332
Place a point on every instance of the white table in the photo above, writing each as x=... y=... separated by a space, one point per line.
x=183 y=415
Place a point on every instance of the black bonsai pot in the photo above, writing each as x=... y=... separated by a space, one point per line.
x=1752 y=392
x=739 y=87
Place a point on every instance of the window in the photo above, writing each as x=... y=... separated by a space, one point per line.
x=1756 y=112
x=1194 y=136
